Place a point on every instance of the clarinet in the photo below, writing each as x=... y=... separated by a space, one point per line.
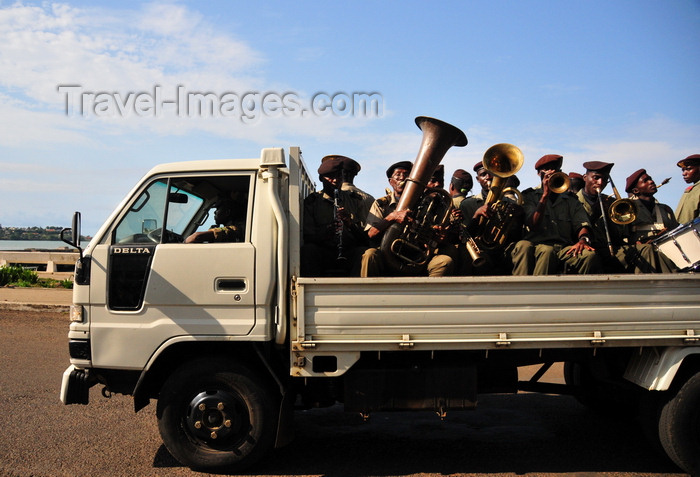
x=339 y=226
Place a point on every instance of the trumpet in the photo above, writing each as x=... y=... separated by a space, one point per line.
x=559 y=182
x=622 y=211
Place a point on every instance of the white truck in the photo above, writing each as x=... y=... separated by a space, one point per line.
x=230 y=339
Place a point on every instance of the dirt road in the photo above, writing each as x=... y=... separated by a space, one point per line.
x=508 y=435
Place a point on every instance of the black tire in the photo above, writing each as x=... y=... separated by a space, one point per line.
x=648 y=416
x=213 y=414
x=679 y=427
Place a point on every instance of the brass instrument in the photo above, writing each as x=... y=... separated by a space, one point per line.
x=409 y=246
x=501 y=161
x=559 y=182
x=622 y=211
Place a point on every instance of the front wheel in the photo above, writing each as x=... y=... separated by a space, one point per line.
x=213 y=414
x=679 y=426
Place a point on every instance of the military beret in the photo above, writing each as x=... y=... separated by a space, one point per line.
x=478 y=165
x=462 y=174
x=632 y=180
x=575 y=175
x=439 y=172
x=598 y=166
x=512 y=181
x=548 y=159
x=399 y=165
x=692 y=160
x=350 y=165
x=330 y=166
x=462 y=180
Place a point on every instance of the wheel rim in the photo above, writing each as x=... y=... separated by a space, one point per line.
x=218 y=418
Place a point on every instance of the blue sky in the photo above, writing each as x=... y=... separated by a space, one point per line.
x=591 y=80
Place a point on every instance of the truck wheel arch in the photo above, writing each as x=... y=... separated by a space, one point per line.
x=660 y=370
x=176 y=352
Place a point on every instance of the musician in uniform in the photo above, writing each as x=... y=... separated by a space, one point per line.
x=689 y=206
x=471 y=204
x=576 y=183
x=460 y=185
x=606 y=235
x=558 y=231
x=350 y=170
x=652 y=218
x=479 y=217
x=334 y=237
x=383 y=215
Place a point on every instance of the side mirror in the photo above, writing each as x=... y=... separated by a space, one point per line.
x=75 y=233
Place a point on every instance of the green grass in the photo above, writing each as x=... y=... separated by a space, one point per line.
x=19 y=277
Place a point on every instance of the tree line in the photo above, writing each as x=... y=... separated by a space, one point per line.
x=30 y=233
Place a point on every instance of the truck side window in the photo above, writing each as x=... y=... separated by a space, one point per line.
x=172 y=209
x=145 y=219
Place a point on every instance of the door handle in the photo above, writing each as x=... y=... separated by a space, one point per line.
x=230 y=284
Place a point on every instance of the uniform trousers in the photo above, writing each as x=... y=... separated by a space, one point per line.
x=374 y=264
x=642 y=258
x=543 y=259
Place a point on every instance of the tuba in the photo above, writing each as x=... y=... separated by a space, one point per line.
x=502 y=161
x=408 y=247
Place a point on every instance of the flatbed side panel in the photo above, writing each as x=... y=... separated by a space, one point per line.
x=470 y=312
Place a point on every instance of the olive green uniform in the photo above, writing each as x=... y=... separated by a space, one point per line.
x=543 y=251
x=375 y=263
x=689 y=205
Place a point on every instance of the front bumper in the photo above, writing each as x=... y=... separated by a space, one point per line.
x=75 y=386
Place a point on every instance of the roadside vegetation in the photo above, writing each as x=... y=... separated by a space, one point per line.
x=19 y=277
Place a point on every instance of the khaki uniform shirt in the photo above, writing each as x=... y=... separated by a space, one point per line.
x=650 y=222
x=599 y=237
x=366 y=200
x=562 y=219
x=689 y=205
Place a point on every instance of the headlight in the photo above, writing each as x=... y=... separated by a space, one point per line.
x=76 y=313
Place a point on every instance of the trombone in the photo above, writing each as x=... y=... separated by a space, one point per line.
x=622 y=211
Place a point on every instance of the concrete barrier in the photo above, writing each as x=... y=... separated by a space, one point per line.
x=48 y=264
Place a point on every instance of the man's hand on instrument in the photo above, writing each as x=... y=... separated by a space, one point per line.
x=484 y=211
x=399 y=216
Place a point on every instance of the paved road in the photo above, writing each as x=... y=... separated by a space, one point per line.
x=534 y=435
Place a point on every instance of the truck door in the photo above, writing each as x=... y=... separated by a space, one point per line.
x=157 y=286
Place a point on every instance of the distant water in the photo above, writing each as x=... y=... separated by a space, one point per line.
x=34 y=244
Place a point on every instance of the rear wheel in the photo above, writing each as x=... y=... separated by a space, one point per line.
x=679 y=426
x=213 y=414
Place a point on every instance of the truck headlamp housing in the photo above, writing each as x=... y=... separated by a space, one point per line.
x=76 y=313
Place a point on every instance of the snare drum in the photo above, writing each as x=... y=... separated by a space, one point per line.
x=681 y=245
